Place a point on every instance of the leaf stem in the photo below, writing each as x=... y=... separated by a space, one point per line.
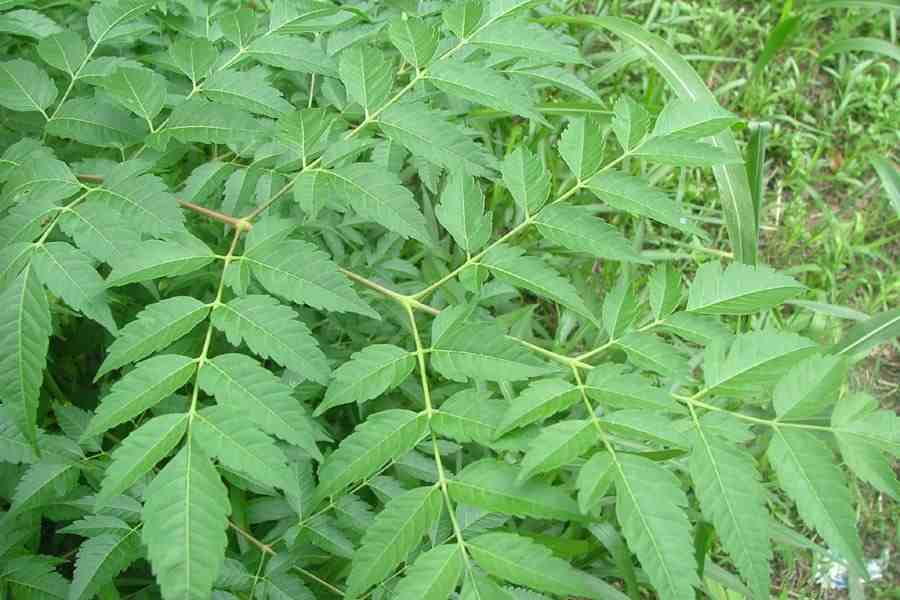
x=429 y=412
x=693 y=401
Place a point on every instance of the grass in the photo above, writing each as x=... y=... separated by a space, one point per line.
x=825 y=217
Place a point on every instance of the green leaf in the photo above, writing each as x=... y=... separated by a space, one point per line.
x=25 y=87
x=185 y=517
x=649 y=505
x=248 y=90
x=734 y=187
x=461 y=212
x=754 y=362
x=620 y=307
x=105 y=16
x=635 y=195
x=594 y=480
x=377 y=194
x=140 y=452
x=890 y=179
x=414 y=38
x=519 y=560
x=300 y=272
x=665 y=291
x=100 y=560
x=426 y=133
x=293 y=54
x=696 y=328
x=226 y=434
x=199 y=120
x=156 y=327
x=493 y=486
x=306 y=131
x=14 y=258
x=510 y=264
x=433 y=575
x=64 y=50
x=469 y=416
x=526 y=179
x=14 y=446
x=574 y=227
x=863 y=432
x=542 y=399
x=25 y=221
x=481 y=351
x=193 y=56
x=862 y=44
x=25 y=330
x=98 y=231
x=740 y=290
x=368 y=374
x=864 y=336
x=644 y=426
x=733 y=499
x=45 y=180
x=70 y=274
x=581 y=146
x=556 y=446
x=154 y=259
x=43 y=483
x=241 y=383
x=679 y=152
x=806 y=472
x=396 y=531
x=143 y=201
x=611 y=386
x=647 y=351
x=462 y=16
x=630 y=123
x=28 y=23
x=140 y=389
x=96 y=123
x=556 y=77
x=239 y=26
x=482 y=86
x=809 y=387
x=691 y=120
x=35 y=576
x=272 y=330
x=141 y=91
x=367 y=75
x=528 y=40
x=383 y=437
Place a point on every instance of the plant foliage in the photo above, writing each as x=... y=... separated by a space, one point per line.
x=313 y=300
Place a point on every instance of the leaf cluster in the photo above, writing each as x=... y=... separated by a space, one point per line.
x=310 y=300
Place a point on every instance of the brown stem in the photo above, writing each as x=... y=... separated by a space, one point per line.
x=249 y=537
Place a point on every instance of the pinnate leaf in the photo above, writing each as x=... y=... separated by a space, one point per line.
x=141 y=451
x=382 y=437
x=519 y=560
x=156 y=327
x=369 y=373
x=740 y=290
x=272 y=330
x=396 y=531
x=241 y=383
x=806 y=472
x=649 y=506
x=185 y=517
x=25 y=330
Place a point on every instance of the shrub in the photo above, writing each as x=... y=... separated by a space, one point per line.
x=301 y=300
